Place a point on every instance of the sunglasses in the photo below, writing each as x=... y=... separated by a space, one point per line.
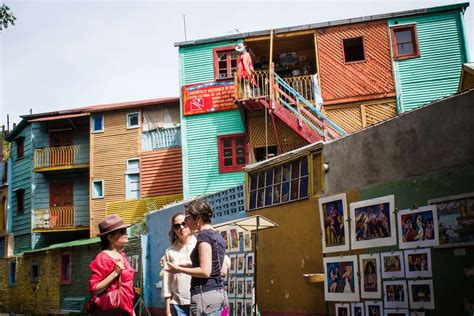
x=178 y=226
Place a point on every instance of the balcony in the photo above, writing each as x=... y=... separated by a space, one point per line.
x=61 y=158
x=61 y=218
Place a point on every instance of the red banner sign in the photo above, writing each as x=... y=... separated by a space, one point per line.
x=208 y=97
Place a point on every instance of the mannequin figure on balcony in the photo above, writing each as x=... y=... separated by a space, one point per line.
x=245 y=72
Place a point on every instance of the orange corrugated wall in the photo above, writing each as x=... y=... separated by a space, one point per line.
x=161 y=172
x=371 y=77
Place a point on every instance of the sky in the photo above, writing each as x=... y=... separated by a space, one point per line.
x=66 y=54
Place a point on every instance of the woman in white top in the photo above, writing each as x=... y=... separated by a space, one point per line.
x=176 y=286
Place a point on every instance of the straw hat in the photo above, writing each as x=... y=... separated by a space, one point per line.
x=240 y=48
x=111 y=223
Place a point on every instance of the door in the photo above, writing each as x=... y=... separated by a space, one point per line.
x=61 y=205
x=61 y=155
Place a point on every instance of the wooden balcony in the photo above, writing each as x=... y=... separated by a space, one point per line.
x=61 y=218
x=60 y=158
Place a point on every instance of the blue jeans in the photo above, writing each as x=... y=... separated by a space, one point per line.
x=180 y=310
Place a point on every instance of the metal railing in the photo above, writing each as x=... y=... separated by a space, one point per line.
x=61 y=217
x=50 y=157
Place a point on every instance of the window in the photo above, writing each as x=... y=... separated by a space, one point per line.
x=280 y=184
x=132 y=179
x=260 y=152
x=353 y=49
x=20 y=200
x=12 y=274
x=225 y=62
x=404 y=42
x=20 y=147
x=133 y=120
x=97 y=123
x=232 y=156
x=65 y=269
x=97 y=189
x=34 y=271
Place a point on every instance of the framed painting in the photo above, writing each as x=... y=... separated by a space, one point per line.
x=418 y=263
x=373 y=223
x=234 y=240
x=421 y=294
x=370 y=276
x=239 y=307
x=231 y=287
x=240 y=287
x=249 y=263
x=225 y=234
x=247 y=241
x=248 y=287
x=357 y=309
x=418 y=227
x=395 y=294
x=373 y=308
x=340 y=279
x=240 y=263
x=248 y=307
x=334 y=227
x=392 y=264
x=343 y=309
x=233 y=264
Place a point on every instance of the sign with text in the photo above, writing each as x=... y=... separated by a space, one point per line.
x=208 y=97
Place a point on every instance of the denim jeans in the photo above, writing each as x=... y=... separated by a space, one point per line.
x=180 y=310
x=209 y=303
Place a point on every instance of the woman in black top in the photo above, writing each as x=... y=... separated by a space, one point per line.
x=208 y=296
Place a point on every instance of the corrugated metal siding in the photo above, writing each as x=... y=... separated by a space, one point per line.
x=373 y=76
x=200 y=163
x=161 y=172
x=435 y=74
x=161 y=138
x=109 y=153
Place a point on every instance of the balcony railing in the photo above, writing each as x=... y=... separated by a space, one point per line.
x=61 y=217
x=66 y=156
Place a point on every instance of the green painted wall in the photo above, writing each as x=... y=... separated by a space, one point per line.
x=435 y=74
x=199 y=132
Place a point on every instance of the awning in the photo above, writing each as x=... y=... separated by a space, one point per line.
x=248 y=224
x=57 y=117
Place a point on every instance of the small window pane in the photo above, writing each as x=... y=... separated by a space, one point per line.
x=353 y=49
x=276 y=193
x=406 y=49
x=227 y=152
x=304 y=187
x=253 y=181
x=269 y=177
x=97 y=123
x=304 y=167
x=277 y=175
x=97 y=189
x=228 y=162
x=227 y=143
x=268 y=196
x=239 y=151
x=222 y=56
x=240 y=161
x=261 y=179
x=260 y=197
x=285 y=191
x=294 y=190
x=133 y=165
x=253 y=199
x=295 y=169
x=133 y=120
x=239 y=141
x=403 y=36
x=286 y=172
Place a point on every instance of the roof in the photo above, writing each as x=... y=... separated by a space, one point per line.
x=75 y=243
x=451 y=7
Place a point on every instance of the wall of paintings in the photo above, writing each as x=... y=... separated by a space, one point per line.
x=365 y=281
x=240 y=275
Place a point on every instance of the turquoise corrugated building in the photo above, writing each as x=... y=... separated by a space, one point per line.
x=428 y=52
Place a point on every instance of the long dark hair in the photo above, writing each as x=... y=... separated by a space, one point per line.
x=171 y=233
x=199 y=208
x=104 y=242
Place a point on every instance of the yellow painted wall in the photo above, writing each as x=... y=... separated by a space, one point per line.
x=109 y=153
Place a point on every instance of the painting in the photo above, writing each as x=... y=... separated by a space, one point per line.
x=373 y=308
x=418 y=263
x=392 y=265
x=240 y=263
x=234 y=240
x=249 y=262
x=357 y=309
x=225 y=234
x=373 y=223
x=248 y=287
x=343 y=310
x=240 y=288
x=396 y=312
x=395 y=294
x=248 y=307
x=239 y=307
x=247 y=241
x=418 y=227
x=334 y=228
x=231 y=307
x=421 y=294
x=233 y=264
x=370 y=276
x=340 y=279
x=231 y=287
x=455 y=219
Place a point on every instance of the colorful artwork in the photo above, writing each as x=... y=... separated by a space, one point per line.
x=247 y=241
x=208 y=97
x=248 y=307
x=395 y=294
x=370 y=276
x=418 y=227
x=234 y=240
x=333 y=216
x=421 y=294
x=248 y=287
x=357 y=309
x=455 y=219
x=396 y=312
x=418 y=263
x=340 y=278
x=231 y=307
x=231 y=287
x=240 y=263
x=392 y=265
x=240 y=288
x=373 y=223
x=233 y=264
x=373 y=308
x=343 y=310
x=249 y=261
x=239 y=307
x=225 y=235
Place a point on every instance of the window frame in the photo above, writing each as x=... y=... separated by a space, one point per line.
x=128 y=174
x=62 y=280
x=128 y=120
x=20 y=200
x=102 y=186
x=20 y=147
x=12 y=273
x=93 y=131
x=344 y=51
x=229 y=50
x=414 y=34
x=220 y=153
x=35 y=278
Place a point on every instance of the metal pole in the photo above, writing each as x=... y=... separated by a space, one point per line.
x=256 y=265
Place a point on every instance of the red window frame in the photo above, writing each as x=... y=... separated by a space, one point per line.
x=233 y=138
x=65 y=271
x=20 y=148
x=412 y=28
x=20 y=200
x=228 y=50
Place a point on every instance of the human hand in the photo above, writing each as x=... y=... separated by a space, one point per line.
x=119 y=266
x=172 y=267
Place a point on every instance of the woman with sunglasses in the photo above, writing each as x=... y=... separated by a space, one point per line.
x=208 y=296
x=176 y=285
x=111 y=271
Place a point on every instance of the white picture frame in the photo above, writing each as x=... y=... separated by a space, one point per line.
x=333 y=214
x=240 y=263
x=248 y=307
x=396 y=312
x=248 y=287
x=373 y=308
x=337 y=272
x=418 y=263
x=240 y=287
x=226 y=236
x=392 y=265
x=231 y=307
x=234 y=240
x=418 y=227
x=247 y=237
x=395 y=294
x=233 y=264
x=357 y=309
x=421 y=294
x=369 y=269
x=342 y=309
x=231 y=286
x=381 y=209
x=239 y=307
x=250 y=263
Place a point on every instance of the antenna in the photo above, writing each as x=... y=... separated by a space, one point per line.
x=184 y=22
